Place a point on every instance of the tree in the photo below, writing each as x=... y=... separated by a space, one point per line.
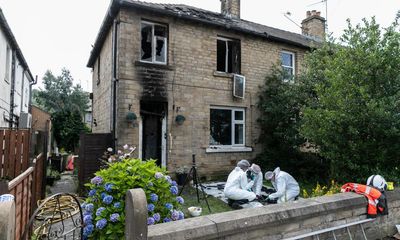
x=67 y=105
x=354 y=118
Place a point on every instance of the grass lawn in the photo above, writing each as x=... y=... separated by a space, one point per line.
x=216 y=205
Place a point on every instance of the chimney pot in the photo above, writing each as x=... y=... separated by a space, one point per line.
x=308 y=14
x=318 y=13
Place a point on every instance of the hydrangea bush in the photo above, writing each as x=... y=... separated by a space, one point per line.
x=104 y=209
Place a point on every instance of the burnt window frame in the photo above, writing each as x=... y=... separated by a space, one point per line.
x=233 y=123
x=154 y=39
x=7 y=74
x=235 y=58
x=293 y=67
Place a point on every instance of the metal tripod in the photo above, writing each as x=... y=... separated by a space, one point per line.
x=196 y=182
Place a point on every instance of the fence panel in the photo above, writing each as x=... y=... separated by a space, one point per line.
x=14 y=152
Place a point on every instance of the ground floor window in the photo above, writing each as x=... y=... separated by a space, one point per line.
x=227 y=126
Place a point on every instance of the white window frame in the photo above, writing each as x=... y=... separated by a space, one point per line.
x=154 y=43
x=286 y=66
x=233 y=122
x=226 y=40
x=7 y=75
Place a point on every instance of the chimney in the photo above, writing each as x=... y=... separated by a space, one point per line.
x=314 y=25
x=230 y=8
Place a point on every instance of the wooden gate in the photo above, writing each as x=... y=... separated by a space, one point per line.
x=92 y=147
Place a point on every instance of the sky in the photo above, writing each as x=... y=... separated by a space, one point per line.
x=56 y=34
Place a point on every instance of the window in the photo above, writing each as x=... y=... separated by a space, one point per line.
x=228 y=55
x=8 y=64
x=227 y=126
x=154 y=43
x=98 y=70
x=288 y=63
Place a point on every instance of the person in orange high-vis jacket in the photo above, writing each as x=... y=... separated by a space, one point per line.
x=375 y=197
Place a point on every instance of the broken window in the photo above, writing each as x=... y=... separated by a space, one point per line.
x=154 y=43
x=288 y=63
x=228 y=55
x=227 y=126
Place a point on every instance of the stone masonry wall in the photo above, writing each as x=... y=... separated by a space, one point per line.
x=189 y=84
x=102 y=97
x=286 y=220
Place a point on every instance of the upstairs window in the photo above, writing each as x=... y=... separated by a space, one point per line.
x=228 y=55
x=227 y=126
x=8 y=64
x=154 y=43
x=288 y=65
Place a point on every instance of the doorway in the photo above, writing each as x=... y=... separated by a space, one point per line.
x=154 y=131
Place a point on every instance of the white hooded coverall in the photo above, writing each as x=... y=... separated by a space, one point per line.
x=287 y=189
x=236 y=186
x=258 y=182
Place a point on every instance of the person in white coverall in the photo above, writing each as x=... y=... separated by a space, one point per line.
x=236 y=187
x=287 y=188
x=256 y=176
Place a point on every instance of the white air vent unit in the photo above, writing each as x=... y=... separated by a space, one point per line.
x=239 y=85
x=25 y=120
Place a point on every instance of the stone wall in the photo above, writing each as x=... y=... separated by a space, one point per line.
x=286 y=220
x=190 y=85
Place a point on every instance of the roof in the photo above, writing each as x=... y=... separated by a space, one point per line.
x=13 y=42
x=202 y=16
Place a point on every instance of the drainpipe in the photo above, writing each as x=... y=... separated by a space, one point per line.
x=12 y=93
x=115 y=82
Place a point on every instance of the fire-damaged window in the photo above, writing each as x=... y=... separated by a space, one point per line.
x=227 y=126
x=154 y=43
x=288 y=65
x=228 y=55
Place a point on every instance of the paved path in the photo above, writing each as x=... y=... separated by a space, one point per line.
x=67 y=184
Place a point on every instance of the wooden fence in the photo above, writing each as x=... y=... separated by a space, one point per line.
x=14 y=152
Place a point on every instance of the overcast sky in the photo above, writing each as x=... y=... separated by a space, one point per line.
x=59 y=33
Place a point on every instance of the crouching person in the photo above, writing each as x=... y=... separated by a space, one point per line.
x=287 y=188
x=236 y=187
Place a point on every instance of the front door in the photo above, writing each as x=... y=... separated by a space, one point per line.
x=154 y=124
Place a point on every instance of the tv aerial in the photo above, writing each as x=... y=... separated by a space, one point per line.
x=326 y=12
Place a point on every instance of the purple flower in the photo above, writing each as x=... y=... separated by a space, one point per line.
x=158 y=175
x=153 y=197
x=89 y=207
x=150 y=184
x=101 y=223
x=174 y=215
x=100 y=210
x=96 y=180
x=103 y=195
x=92 y=193
x=108 y=187
x=167 y=219
x=83 y=205
x=180 y=200
x=150 y=221
x=157 y=217
x=107 y=199
x=174 y=190
x=88 y=229
x=169 y=206
x=181 y=215
x=117 y=205
x=87 y=219
x=150 y=207
x=114 y=217
x=168 y=178
x=173 y=183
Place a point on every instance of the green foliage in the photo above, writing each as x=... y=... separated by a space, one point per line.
x=355 y=118
x=67 y=104
x=108 y=189
x=280 y=104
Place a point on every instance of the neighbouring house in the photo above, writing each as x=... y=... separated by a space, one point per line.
x=16 y=81
x=41 y=140
x=176 y=81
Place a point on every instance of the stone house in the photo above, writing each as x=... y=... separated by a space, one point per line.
x=177 y=81
x=16 y=81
